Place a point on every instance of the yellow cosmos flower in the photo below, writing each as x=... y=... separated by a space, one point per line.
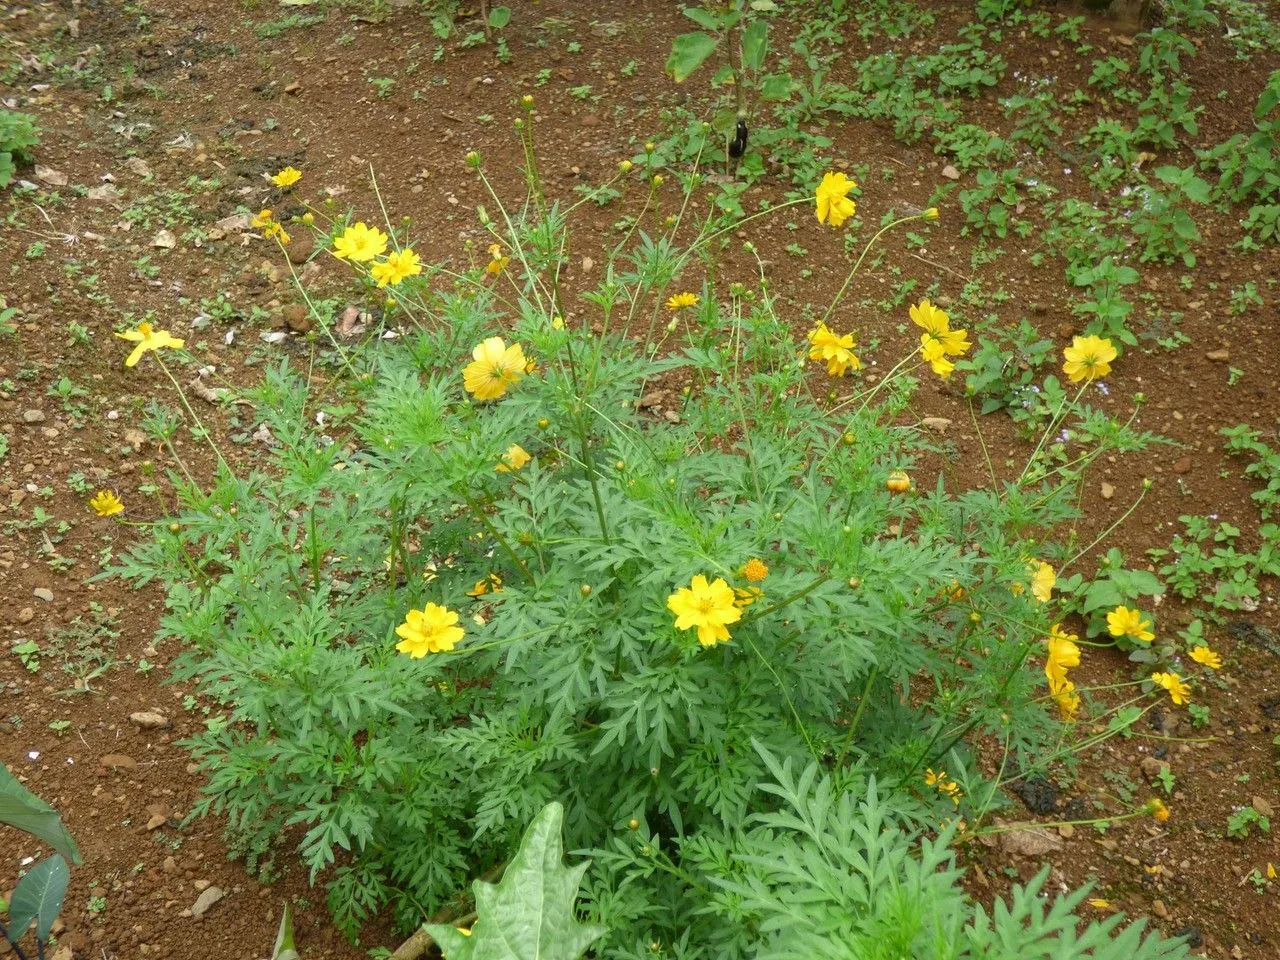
x=708 y=607
x=148 y=339
x=932 y=779
x=1088 y=358
x=399 y=265
x=1156 y=807
x=936 y=355
x=1123 y=622
x=931 y=319
x=682 y=300
x=490 y=584
x=105 y=503
x=360 y=243
x=1043 y=581
x=286 y=177
x=1206 y=657
x=494 y=367
x=1067 y=699
x=515 y=458
x=261 y=220
x=1062 y=655
x=836 y=349
x=755 y=570
x=833 y=202
x=497 y=262
x=431 y=630
x=1178 y=691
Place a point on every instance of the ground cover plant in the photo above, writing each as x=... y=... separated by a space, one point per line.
x=832 y=464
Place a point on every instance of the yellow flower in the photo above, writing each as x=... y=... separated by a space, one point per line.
x=755 y=570
x=399 y=265
x=261 y=220
x=497 y=262
x=898 y=481
x=492 y=582
x=1206 y=657
x=835 y=349
x=930 y=318
x=834 y=203
x=495 y=367
x=148 y=339
x=932 y=213
x=932 y=779
x=1123 y=622
x=515 y=458
x=360 y=243
x=105 y=503
x=955 y=343
x=709 y=607
x=1042 y=582
x=1099 y=904
x=1157 y=809
x=1088 y=358
x=936 y=355
x=430 y=630
x=1271 y=870
x=1179 y=692
x=1062 y=654
x=1067 y=699
x=287 y=177
x=682 y=300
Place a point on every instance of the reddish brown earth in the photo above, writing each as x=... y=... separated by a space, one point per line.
x=148 y=95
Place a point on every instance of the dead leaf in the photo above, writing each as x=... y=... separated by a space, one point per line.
x=138 y=167
x=936 y=424
x=236 y=223
x=1030 y=841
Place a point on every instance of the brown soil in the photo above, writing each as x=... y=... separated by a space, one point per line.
x=145 y=96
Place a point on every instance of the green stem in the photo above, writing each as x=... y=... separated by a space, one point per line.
x=192 y=414
x=494 y=532
x=865 y=250
x=857 y=715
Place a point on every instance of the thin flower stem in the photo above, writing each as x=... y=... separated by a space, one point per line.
x=786 y=696
x=1053 y=423
x=182 y=395
x=872 y=676
x=1107 y=532
x=497 y=535
x=865 y=250
x=982 y=442
x=787 y=601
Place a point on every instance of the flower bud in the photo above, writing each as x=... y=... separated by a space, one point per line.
x=308 y=218
x=848 y=439
x=931 y=213
x=650 y=147
x=175 y=527
x=483 y=215
x=620 y=465
x=557 y=323
x=527 y=101
x=657 y=179
x=625 y=166
x=585 y=589
x=544 y=423
x=473 y=158
x=633 y=824
x=898 y=481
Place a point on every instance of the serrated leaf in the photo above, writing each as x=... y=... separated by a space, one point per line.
x=21 y=808
x=499 y=17
x=529 y=913
x=688 y=52
x=38 y=897
x=776 y=86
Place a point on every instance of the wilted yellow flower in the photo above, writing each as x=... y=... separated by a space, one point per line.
x=755 y=570
x=399 y=265
x=497 y=262
x=1067 y=699
x=494 y=367
x=105 y=503
x=1088 y=358
x=682 y=300
x=834 y=205
x=933 y=779
x=898 y=481
x=1206 y=657
x=430 y=630
x=836 y=349
x=709 y=607
x=287 y=177
x=1156 y=807
x=1099 y=904
x=490 y=584
x=148 y=339
x=1062 y=654
x=936 y=355
x=1123 y=622
x=930 y=318
x=515 y=458
x=1043 y=581
x=360 y=243
x=1179 y=692
x=261 y=220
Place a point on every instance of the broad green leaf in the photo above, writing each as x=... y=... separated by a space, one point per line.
x=499 y=17
x=777 y=86
x=38 y=897
x=284 y=948
x=529 y=913
x=688 y=52
x=6 y=168
x=755 y=44
x=703 y=18
x=21 y=808
x=763 y=6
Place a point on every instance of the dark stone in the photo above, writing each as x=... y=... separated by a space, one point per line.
x=1192 y=933
x=1039 y=795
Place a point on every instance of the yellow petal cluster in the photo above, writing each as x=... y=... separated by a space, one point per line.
x=494 y=367
x=834 y=205
x=708 y=607
x=938 y=342
x=399 y=266
x=1124 y=622
x=432 y=629
x=105 y=503
x=1088 y=358
x=148 y=339
x=360 y=243
x=834 y=348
